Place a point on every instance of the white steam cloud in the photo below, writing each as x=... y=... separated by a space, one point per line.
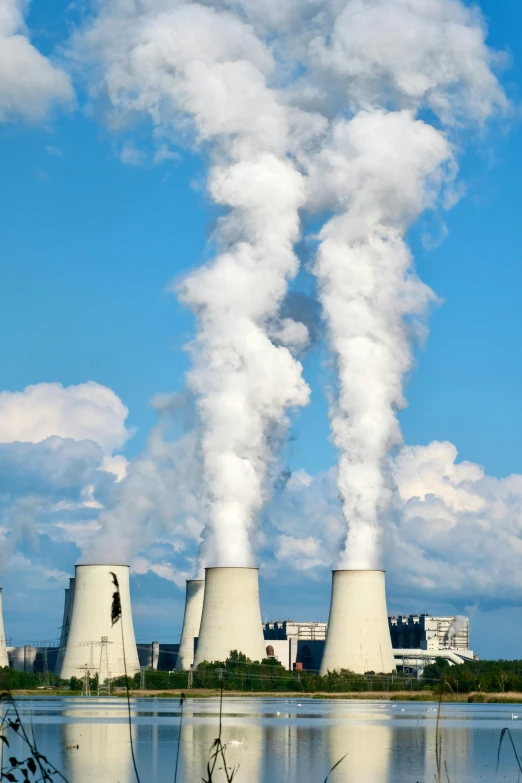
x=203 y=73
x=388 y=62
x=349 y=108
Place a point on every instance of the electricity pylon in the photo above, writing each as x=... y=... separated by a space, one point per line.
x=104 y=677
x=86 y=683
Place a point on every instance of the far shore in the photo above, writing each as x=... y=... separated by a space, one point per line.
x=204 y=693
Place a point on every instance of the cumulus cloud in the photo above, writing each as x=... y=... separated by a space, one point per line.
x=30 y=85
x=57 y=469
x=88 y=411
x=454 y=534
x=457 y=530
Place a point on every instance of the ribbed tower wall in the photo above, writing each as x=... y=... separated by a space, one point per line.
x=358 y=636
x=91 y=620
x=231 y=616
x=195 y=591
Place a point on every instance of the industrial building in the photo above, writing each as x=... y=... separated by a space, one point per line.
x=418 y=640
x=295 y=644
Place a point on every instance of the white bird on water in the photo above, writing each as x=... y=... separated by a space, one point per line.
x=513 y=716
x=235 y=742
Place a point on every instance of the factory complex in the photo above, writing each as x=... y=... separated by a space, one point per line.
x=222 y=613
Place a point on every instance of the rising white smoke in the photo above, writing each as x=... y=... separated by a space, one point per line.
x=201 y=73
x=389 y=65
x=345 y=107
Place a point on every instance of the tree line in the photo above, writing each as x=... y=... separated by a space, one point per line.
x=238 y=673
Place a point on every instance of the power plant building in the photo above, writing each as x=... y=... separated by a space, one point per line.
x=295 y=644
x=418 y=639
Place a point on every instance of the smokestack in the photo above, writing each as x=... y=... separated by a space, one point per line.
x=195 y=591
x=358 y=636
x=4 y=660
x=91 y=620
x=231 y=617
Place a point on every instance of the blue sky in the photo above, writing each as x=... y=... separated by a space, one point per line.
x=90 y=245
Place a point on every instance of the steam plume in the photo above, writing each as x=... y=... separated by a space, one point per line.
x=203 y=73
x=388 y=62
x=359 y=120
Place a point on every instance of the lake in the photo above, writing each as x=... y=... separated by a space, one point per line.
x=273 y=739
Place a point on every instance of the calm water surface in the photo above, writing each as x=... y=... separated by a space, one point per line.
x=274 y=739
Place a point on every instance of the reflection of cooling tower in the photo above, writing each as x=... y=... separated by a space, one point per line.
x=243 y=743
x=231 y=618
x=358 y=636
x=91 y=620
x=4 y=661
x=67 y=612
x=367 y=749
x=191 y=622
x=104 y=753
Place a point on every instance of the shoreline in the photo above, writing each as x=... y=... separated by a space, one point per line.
x=475 y=697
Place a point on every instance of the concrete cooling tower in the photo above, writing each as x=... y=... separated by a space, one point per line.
x=91 y=620
x=66 y=622
x=191 y=622
x=231 y=617
x=358 y=637
x=4 y=661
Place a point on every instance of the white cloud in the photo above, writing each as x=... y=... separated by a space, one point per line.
x=304 y=553
x=30 y=85
x=165 y=570
x=454 y=535
x=456 y=530
x=87 y=411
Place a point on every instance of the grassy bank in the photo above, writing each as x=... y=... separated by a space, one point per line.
x=206 y=693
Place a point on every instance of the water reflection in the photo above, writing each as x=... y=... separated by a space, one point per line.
x=272 y=740
x=366 y=748
x=96 y=749
x=455 y=747
x=243 y=748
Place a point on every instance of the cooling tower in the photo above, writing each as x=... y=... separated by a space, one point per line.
x=358 y=637
x=4 y=661
x=191 y=622
x=66 y=622
x=231 y=617
x=91 y=620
